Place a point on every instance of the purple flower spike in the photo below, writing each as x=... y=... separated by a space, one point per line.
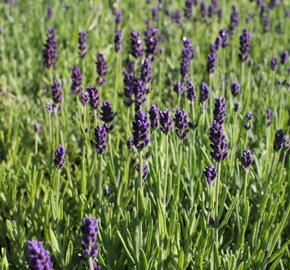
x=165 y=121
x=146 y=71
x=151 y=41
x=236 y=88
x=274 y=63
x=49 y=51
x=266 y=24
x=136 y=44
x=154 y=116
x=141 y=128
x=248 y=118
x=234 y=19
x=210 y=173
x=237 y=106
x=39 y=257
x=203 y=9
x=107 y=112
x=191 y=94
x=244 y=45
x=82 y=44
x=204 y=92
x=279 y=139
x=284 y=57
x=247 y=159
x=211 y=62
x=118 y=40
x=119 y=17
x=102 y=68
x=85 y=98
x=181 y=124
x=219 y=145
x=59 y=160
x=144 y=171
x=220 y=110
x=57 y=95
x=89 y=244
x=155 y=14
x=187 y=52
x=76 y=77
x=270 y=115
x=225 y=37
x=50 y=12
x=188 y=9
x=101 y=138
x=178 y=87
x=93 y=96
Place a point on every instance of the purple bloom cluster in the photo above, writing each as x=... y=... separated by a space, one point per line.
x=39 y=258
x=119 y=17
x=266 y=24
x=284 y=57
x=270 y=115
x=247 y=159
x=178 y=87
x=155 y=14
x=187 y=56
x=50 y=12
x=144 y=171
x=235 y=88
x=220 y=110
x=204 y=91
x=225 y=37
x=244 y=45
x=57 y=95
x=141 y=127
x=118 y=40
x=274 y=63
x=82 y=44
x=101 y=138
x=211 y=62
x=107 y=114
x=218 y=145
x=181 y=124
x=153 y=116
x=146 y=70
x=279 y=139
x=210 y=173
x=234 y=21
x=165 y=121
x=102 y=68
x=191 y=94
x=151 y=40
x=49 y=51
x=76 y=77
x=188 y=9
x=94 y=97
x=136 y=44
x=85 y=98
x=59 y=159
x=89 y=244
x=248 y=118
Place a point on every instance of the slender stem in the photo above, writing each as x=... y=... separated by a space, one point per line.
x=100 y=182
x=140 y=170
x=217 y=204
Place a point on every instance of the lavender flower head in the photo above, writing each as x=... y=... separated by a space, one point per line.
x=89 y=243
x=118 y=40
x=39 y=257
x=204 y=92
x=85 y=98
x=141 y=128
x=181 y=124
x=225 y=37
x=279 y=139
x=211 y=62
x=219 y=145
x=101 y=138
x=59 y=159
x=102 y=68
x=210 y=173
x=154 y=116
x=270 y=115
x=50 y=12
x=76 y=77
x=57 y=95
x=284 y=57
x=107 y=114
x=49 y=51
x=165 y=121
x=119 y=17
x=144 y=171
x=235 y=88
x=155 y=14
x=146 y=70
x=178 y=87
x=187 y=51
x=93 y=96
x=188 y=9
x=151 y=40
x=247 y=159
x=191 y=94
x=248 y=118
x=244 y=45
x=220 y=110
x=136 y=44
x=203 y=9
x=234 y=22
x=82 y=44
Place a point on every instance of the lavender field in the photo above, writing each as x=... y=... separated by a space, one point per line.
x=149 y=134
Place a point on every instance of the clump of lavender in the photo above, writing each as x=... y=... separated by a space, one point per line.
x=57 y=95
x=102 y=68
x=151 y=41
x=153 y=116
x=181 y=124
x=225 y=37
x=204 y=92
x=235 y=88
x=155 y=14
x=284 y=57
x=146 y=70
x=269 y=115
x=136 y=44
x=211 y=62
x=266 y=24
x=76 y=77
x=188 y=9
x=50 y=12
x=93 y=96
x=101 y=138
x=235 y=20
x=178 y=87
x=118 y=40
x=220 y=110
x=141 y=127
x=59 y=159
x=165 y=121
x=39 y=258
x=279 y=139
x=244 y=45
x=118 y=17
x=248 y=118
x=247 y=159
x=274 y=63
x=144 y=171
x=50 y=47
x=210 y=173
x=82 y=44
x=191 y=94
x=218 y=145
x=89 y=244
